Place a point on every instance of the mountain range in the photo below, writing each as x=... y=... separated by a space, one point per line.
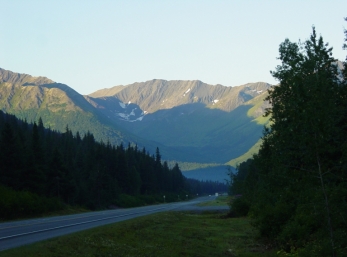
x=193 y=123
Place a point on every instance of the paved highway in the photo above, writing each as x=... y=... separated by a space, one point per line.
x=17 y=233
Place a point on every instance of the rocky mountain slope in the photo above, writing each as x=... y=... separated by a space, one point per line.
x=190 y=121
x=57 y=104
x=201 y=122
x=158 y=94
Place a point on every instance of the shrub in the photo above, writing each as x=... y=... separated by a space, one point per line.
x=240 y=207
x=24 y=204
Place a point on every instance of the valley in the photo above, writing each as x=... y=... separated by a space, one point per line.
x=193 y=123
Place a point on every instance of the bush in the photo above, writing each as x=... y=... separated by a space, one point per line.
x=240 y=207
x=125 y=200
x=147 y=199
x=23 y=204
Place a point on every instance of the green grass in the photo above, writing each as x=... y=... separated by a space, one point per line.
x=186 y=166
x=219 y=201
x=163 y=234
x=249 y=154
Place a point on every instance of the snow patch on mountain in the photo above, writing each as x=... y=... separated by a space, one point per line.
x=131 y=117
x=132 y=112
x=122 y=115
x=186 y=92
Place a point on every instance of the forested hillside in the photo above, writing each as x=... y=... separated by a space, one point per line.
x=57 y=104
x=77 y=170
x=295 y=187
x=190 y=121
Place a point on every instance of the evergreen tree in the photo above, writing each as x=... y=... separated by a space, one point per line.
x=35 y=164
x=79 y=170
x=56 y=175
x=300 y=172
x=10 y=157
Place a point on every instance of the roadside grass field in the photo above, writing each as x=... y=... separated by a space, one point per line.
x=163 y=234
x=221 y=200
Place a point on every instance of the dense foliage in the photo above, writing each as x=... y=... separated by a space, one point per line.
x=80 y=171
x=295 y=188
x=202 y=187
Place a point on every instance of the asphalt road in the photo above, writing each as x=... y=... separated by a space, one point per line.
x=18 y=233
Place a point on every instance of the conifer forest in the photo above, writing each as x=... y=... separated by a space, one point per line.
x=295 y=187
x=43 y=170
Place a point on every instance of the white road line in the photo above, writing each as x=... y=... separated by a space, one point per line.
x=50 y=220
x=75 y=224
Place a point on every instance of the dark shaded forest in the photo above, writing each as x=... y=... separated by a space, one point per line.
x=43 y=170
x=295 y=187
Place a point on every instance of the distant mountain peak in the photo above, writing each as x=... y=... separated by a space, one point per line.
x=159 y=94
x=21 y=79
x=189 y=120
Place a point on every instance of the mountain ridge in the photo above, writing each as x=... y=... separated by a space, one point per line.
x=57 y=104
x=162 y=93
x=22 y=78
x=179 y=114
x=190 y=121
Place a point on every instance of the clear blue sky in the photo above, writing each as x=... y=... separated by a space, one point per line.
x=90 y=45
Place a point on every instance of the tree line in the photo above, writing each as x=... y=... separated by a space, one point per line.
x=295 y=187
x=78 y=170
x=201 y=187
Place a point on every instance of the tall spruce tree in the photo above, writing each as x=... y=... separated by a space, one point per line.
x=10 y=157
x=300 y=181
x=35 y=175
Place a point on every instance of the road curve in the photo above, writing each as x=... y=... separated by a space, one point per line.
x=15 y=234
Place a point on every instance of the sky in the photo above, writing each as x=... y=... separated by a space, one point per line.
x=91 y=45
